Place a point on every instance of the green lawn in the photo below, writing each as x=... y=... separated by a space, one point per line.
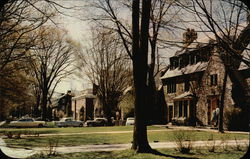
x=117 y=138
x=77 y=129
x=165 y=154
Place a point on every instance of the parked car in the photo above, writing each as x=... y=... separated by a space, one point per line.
x=69 y=122
x=130 y=121
x=27 y=122
x=97 y=122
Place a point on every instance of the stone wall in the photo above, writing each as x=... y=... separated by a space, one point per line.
x=207 y=91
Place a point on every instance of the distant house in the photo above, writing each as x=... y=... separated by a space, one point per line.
x=63 y=105
x=193 y=85
x=85 y=106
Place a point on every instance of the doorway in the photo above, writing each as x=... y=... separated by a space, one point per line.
x=212 y=105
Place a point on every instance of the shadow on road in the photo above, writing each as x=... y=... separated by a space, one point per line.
x=3 y=156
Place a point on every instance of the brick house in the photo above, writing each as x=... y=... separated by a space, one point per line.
x=193 y=85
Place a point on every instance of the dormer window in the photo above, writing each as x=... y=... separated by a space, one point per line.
x=192 y=59
x=213 y=80
x=174 y=63
x=186 y=86
x=171 y=88
x=181 y=62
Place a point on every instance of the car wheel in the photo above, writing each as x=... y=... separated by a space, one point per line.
x=40 y=125
x=81 y=125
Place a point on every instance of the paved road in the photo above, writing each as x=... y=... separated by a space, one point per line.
x=23 y=153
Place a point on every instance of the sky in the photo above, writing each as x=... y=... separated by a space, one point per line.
x=79 y=31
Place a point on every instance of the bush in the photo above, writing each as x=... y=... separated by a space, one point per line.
x=183 y=141
x=51 y=147
x=236 y=120
x=211 y=146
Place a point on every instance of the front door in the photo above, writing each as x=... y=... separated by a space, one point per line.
x=212 y=105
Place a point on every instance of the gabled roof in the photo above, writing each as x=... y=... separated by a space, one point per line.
x=84 y=96
x=185 y=95
x=200 y=66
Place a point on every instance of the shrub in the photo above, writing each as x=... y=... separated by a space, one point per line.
x=237 y=147
x=224 y=142
x=236 y=120
x=211 y=144
x=51 y=147
x=183 y=141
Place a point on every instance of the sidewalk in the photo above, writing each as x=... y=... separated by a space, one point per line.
x=23 y=153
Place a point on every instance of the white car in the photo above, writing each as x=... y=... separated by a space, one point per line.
x=69 y=122
x=27 y=122
x=130 y=121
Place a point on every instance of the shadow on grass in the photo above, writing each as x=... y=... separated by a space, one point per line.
x=104 y=154
x=155 y=152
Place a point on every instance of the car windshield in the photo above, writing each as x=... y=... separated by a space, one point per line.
x=29 y=119
x=63 y=119
x=22 y=120
x=98 y=119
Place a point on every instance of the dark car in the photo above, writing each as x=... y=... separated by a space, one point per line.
x=97 y=122
x=68 y=122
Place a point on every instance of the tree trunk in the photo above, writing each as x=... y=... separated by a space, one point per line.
x=36 y=106
x=140 y=59
x=44 y=104
x=152 y=96
x=222 y=102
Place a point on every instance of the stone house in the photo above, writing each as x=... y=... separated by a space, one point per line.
x=193 y=85
x=85 y=106
x=61 y=106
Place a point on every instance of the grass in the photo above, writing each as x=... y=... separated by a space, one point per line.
x=57 y=130
x=130 y=154
x=117 y=138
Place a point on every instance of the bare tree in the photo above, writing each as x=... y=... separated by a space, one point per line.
x=50 y=59
x=158 y=23
x=162 y=19
x=17 y=19
x=107 y=66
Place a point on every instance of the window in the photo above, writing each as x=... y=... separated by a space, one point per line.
x=180 y=108
x=213 y=79
x=171 y=88
x=29 y=120
x=186 y=86
x=185 y=108
x=174 y=63
x=191 y=59
x=175 y=109
x=171 y=64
